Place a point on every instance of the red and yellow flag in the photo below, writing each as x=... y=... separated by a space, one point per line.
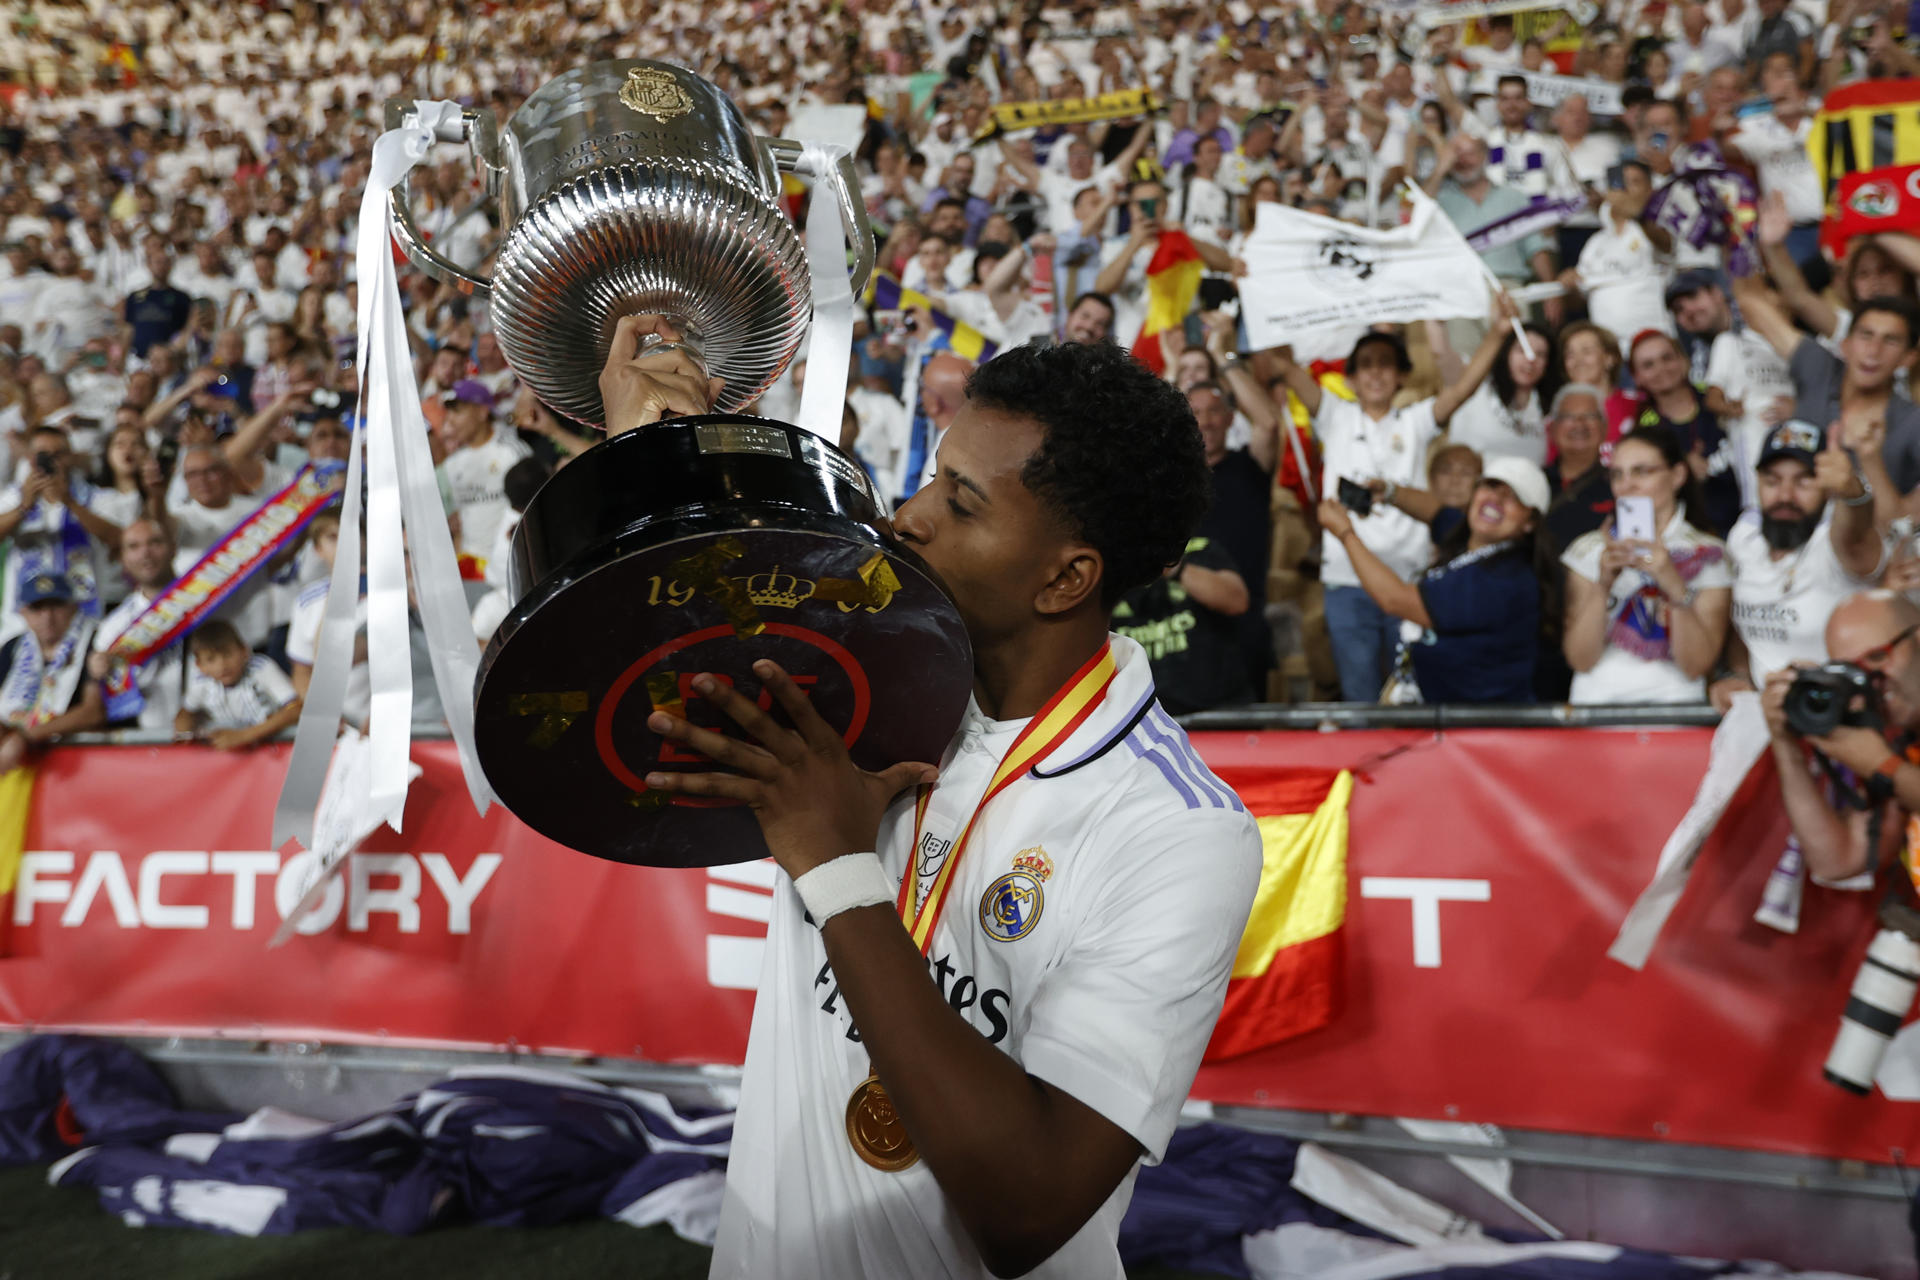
x=1286 y=975
x=1173 y=278
x=16 y=802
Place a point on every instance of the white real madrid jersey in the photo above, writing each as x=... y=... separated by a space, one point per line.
x=1088 y=934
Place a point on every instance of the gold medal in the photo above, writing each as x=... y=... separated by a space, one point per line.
x=875 y=1130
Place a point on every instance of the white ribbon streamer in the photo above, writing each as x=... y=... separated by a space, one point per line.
x=823 y=399
x=389 y=656
x=1738 y=744
x=403 y=510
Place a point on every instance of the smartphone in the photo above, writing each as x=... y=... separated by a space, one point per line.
x=1215 y=293
x=1633 y=519
x=1356 y=498
x=1616 y=177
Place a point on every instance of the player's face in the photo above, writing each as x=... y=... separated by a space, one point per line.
x=979 y=526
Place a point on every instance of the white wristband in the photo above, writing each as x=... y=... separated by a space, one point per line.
x=843 y=883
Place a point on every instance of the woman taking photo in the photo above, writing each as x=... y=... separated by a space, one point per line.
x=1646 y=618
x=1471 y=621
x=1668 y=399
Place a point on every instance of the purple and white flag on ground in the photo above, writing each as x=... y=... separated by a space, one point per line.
x=511 y=1146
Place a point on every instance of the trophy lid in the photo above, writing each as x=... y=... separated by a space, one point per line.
x=639 y=189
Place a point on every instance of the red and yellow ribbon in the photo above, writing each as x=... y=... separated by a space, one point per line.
x=1066 y=711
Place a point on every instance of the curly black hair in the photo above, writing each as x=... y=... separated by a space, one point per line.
x=1120 y=463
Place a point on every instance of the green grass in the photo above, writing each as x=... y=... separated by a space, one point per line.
x=47 y=1233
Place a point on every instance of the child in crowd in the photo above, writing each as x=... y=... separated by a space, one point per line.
x=235 y=697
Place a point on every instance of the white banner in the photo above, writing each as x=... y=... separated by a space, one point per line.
x=1546 y=90
x=1306 y=272
x=1428 y=16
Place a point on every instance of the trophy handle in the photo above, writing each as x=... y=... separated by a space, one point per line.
x=481 y=134
x=786 y=156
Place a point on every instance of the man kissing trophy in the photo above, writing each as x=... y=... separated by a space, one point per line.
x=641 y=222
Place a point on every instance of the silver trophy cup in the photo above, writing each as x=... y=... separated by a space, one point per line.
x=633 y=187
x=692 y=545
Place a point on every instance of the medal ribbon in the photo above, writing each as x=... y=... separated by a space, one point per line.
x=1066 y=711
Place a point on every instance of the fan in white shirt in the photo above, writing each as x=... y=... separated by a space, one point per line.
x=478 y=459
x=1743 y=374
x=146 y=556
x=1810 y=545
x=235 y=698
x=1776 y=145
x=1646 y=618
x=211 y=509
x=972 y=1092
x=1620 y=269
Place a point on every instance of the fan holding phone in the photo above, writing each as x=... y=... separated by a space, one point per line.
x=1648 y=597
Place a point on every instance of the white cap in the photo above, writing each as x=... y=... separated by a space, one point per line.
x=1528 y=482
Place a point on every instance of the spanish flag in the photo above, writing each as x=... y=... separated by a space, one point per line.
x=1173 y=278
x=1286 y=975
x=16 y=802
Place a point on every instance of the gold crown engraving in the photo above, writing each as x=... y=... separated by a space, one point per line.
x=1034 y=862
x=776 y=590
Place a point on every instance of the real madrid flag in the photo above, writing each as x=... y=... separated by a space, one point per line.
x=1308 y=273
x=1286 y=975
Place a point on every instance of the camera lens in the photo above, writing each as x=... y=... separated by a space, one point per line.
x=1878 y=1003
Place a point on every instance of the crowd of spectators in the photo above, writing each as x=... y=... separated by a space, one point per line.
x=1648 y=480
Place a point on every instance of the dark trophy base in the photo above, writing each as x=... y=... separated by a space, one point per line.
x=703 y=545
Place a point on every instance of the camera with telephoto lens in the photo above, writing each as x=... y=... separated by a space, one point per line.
x=1821 y=698
x=1878 y=1002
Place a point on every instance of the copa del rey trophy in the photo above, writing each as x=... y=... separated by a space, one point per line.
x=698 y=544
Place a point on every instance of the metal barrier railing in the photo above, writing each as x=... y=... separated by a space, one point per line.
x=1316 y=717
x=1321 y=716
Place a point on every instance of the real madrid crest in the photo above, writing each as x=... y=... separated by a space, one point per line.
x=1011 y=906
x=654 y=92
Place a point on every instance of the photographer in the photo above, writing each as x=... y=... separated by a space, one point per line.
x=1876 y=705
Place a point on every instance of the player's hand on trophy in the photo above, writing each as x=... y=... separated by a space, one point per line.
x=812 y=801
x=650 y=375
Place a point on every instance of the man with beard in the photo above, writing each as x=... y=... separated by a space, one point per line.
x=1810 y=545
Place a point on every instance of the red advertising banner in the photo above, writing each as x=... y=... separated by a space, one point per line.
x=1488 y=872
